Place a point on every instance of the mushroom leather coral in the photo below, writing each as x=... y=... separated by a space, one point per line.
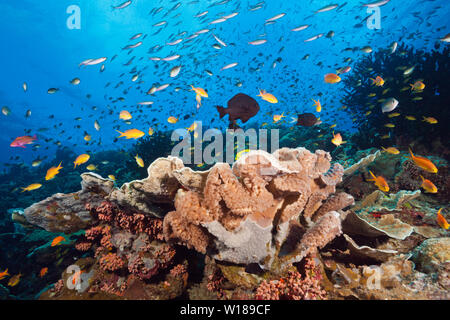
x=245 y=213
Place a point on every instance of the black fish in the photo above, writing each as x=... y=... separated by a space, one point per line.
x=307 y=120
x=241 y=106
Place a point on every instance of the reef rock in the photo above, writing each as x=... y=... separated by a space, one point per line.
x=432 y=254
x=159 y=187
x=67 y=212
x=361 y=219
x=270 y=209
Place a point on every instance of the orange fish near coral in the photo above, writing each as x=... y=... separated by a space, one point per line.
x=22 y=141
x=14 y=281
x=380 y=182
x=441 y=220
x=52 y=172
x=428 y=186
x=57 y=241
x=337 y=139
x=332 y=78
x=4 y=274
x=423 y=163
x=43 y=272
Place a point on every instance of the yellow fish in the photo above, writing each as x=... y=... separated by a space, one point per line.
x=417 y=86
x=337 y=139
x=131 y=134
x=368 y=112
x=125 y=115
x=378 y=81
x=199 y=91
x=14 y=281
x=391 y=150
x=430 y=120
x=240 y=153
x=318 y=105
x=112 y=177
x=389 y=125
x=151 y=131
x=332 y=126
x=82 y=158
x=52 y=172
x=410 y=118
x=278 y=117
x=172 y=120
x=267 y=96
x=32 y=187
x=87 y=137
x=386 y=136
x=91 y=167
x=192 y=127
x=139 y=161
x=392 y=115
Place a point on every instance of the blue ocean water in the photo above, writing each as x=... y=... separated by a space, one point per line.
x=41 y=50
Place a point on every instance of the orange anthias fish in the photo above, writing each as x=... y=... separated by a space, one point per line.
x=32 y=187
x=378 y=81
x=4 y=274
x=22 y=141
x=267 y=96
x=417 y=86
x=53 y=171
x=318 y=105
x=14 y=280
x=57 y=241
x=423 y=163
x=82 y=158
x=428 y=186
x=278 y=117
x=430 y=120
x=337 y=139
x=332 y=78
x=441 y=220
x=199 y=91
x=380 y=182
x=131 y=134
x=43 y=272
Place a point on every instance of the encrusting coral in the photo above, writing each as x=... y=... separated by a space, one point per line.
x=246 y=214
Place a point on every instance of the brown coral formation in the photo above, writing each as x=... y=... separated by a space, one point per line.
x=244 y=213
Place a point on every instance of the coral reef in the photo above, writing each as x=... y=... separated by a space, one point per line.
x=246 y=213
x=272 y=226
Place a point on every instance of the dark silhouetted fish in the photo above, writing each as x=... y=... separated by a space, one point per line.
x=241 y=106
x=307 y=120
